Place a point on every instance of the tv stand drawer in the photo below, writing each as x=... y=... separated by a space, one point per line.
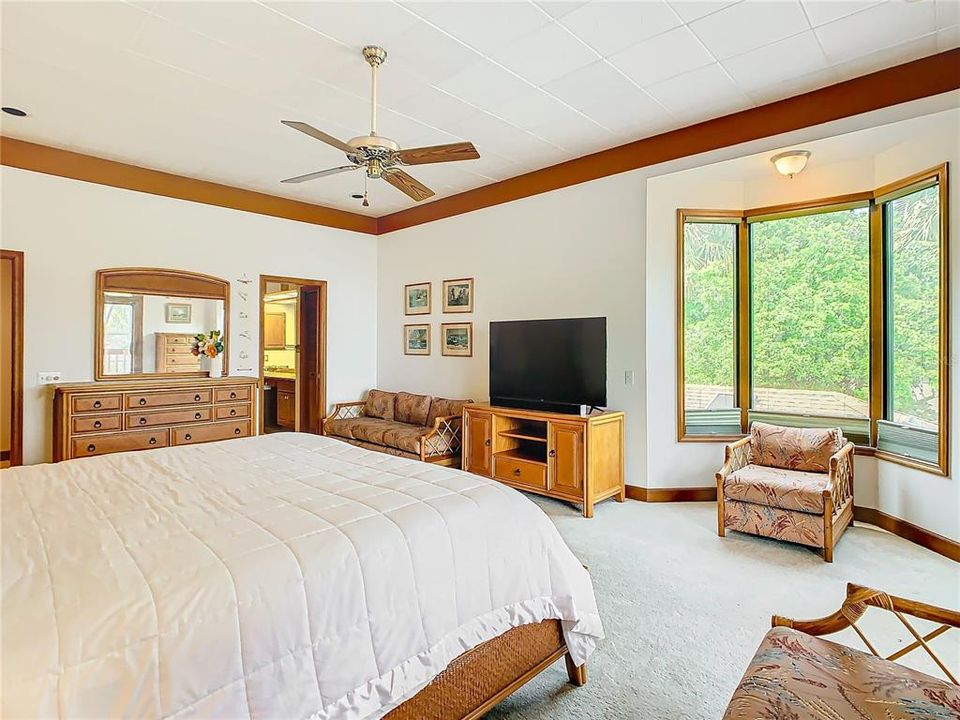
x=519 y=471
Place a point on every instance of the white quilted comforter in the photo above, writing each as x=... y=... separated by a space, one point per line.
x=283 y=576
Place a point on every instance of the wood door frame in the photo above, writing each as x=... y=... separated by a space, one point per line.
x=321 y=333
x=16 y=367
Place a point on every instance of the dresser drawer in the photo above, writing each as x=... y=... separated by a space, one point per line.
x=168 y=417
x=182 y=361
x=95 y=403
x=213 y=431
x=174 y=349
x=229 y=412
x=167 y=398
x=179 y=340
x=517 y=470
x=230 y=394
x=121 y=442
x=96 y=423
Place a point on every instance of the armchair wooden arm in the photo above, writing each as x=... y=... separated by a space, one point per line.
x=445 y=437
x=735 y=456
x=858 y=599
x=841 y=476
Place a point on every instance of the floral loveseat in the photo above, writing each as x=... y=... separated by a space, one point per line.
x=793 y=484
x=419 y=427
x=796 y=675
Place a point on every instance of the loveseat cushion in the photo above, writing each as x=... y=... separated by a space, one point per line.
x=777 y=487
x=441 y=407
x=412 y=409
x=802 y=677
x=388 y=433
x=806 y=449
x=380 y=404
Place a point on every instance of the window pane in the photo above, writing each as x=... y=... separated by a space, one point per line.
x=810 y=285
x=709 y=319
x=912 y=225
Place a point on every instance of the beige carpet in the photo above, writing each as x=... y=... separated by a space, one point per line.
x=684 y=610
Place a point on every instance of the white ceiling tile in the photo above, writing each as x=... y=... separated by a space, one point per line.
x=749 y=24
x=948 y=13
x=353 y=23
x=529 y=109
x=776 y=63
x=431 y=53
x=609 y=27
x=789 y=87
x=111 y=24
x=878 y=27
x=903 y=52
x=948 y=39
x=485 y=26
x=408 y=132
x=631 y=116
x=821 y=12
x=561 y=7
x=664 y=56
x=484 y=84
x=700 y=94
x=591 y=86
x=436 y=108
x=690 y=10
x=545 y=54
x=573 y=132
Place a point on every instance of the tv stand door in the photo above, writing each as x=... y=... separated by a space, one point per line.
x=565 y=459
x=478 y=447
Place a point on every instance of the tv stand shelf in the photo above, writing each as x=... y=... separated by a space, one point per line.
x=569 y=457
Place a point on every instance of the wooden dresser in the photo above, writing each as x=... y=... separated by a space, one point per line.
x=568 y=457
x=96 y=418
x=175 y=353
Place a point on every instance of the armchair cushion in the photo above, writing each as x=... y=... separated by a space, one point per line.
x=412 y=409
x=805 y=449
x=441 y=407
x=379 y=404
x=776 y=487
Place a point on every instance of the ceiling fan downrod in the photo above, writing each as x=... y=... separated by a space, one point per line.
x=375 y=57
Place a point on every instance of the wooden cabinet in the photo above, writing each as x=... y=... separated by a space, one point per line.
x=174 y=353
x=107 y=417
x=562 y=456
x=286 y=390
x=274 y=331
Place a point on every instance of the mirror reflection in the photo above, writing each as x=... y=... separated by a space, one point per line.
x=155 y=333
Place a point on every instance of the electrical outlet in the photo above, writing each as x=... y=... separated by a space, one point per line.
x=48 y=377
x=628 y=377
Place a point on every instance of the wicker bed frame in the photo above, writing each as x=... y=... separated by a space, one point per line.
x=480 y=678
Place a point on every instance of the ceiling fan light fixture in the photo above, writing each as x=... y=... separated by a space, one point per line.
x=791 y=162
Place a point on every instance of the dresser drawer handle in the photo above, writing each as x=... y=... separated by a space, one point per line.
x=516 y=472
x=91 y=447
x=196 y=398
x=552 y=453
x=233 y=412
x=96 y=404
x=143 y=421
x=143 y=401
x=197 y=416
x=153 y=441
x=188 y=436
x=236 y=431
x=233 y=396
x=97 y=424
x=486 y=443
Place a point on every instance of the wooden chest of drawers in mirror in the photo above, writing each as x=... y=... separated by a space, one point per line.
x=106 y=417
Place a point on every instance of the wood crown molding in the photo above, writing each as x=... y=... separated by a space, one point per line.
x=915 y=80
x=929 y=76
x=901 y=528
x=77 y=166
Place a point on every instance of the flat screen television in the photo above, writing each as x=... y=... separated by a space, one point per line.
x=555 y=365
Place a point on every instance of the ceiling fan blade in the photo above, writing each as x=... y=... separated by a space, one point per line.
x=320 y=174
x=319 y=135
x=408 y=184
x=438 y=154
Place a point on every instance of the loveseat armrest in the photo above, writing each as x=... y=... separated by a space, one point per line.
x=444 y=438
x=841 y=476
x=735 y=457
x=345 y=411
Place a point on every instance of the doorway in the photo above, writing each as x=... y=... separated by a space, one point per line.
x=293 y=357
x=11 y=363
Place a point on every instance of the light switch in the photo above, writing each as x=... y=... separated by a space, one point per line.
x=628 y=377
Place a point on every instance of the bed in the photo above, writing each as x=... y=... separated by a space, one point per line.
x=286 y=575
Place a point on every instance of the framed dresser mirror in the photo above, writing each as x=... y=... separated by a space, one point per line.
x=146 y=319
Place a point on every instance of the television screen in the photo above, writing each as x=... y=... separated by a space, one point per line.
x=543 y=362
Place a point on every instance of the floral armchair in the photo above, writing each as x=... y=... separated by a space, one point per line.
x=793 y=484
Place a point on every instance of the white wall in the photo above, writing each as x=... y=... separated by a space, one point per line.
x=70 y=229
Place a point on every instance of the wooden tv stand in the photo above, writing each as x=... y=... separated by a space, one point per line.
x=568 y=457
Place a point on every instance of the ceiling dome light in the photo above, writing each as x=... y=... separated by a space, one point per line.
x=791 y=162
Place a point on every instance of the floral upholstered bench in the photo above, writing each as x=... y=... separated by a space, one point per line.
x=793 y=484
x=800 y=676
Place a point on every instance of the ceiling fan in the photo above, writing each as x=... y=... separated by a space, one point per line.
x=380 y=156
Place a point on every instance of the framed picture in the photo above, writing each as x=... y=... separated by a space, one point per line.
x=458 y=295
x=416 y=299
x=416 y=339
x=178 y=313
x=457 y=339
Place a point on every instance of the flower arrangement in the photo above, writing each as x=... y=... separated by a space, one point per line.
x=208 y=344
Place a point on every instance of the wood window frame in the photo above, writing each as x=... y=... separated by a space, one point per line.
x=878 y=372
